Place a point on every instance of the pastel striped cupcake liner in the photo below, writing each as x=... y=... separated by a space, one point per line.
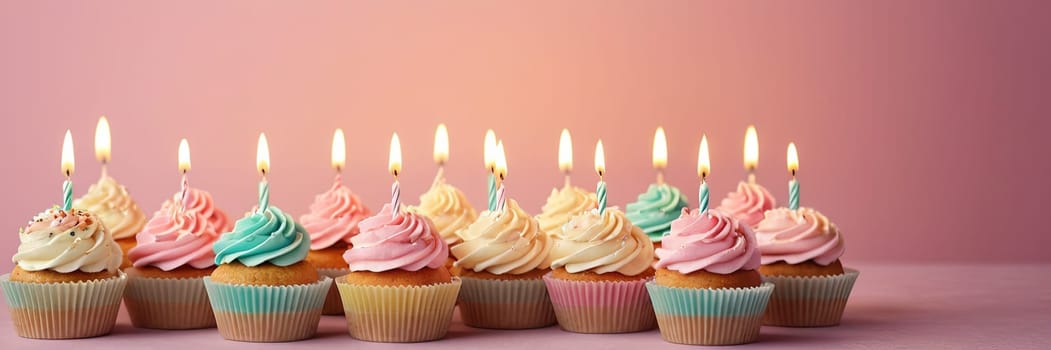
x=333 y=304
x=398 y=314
x=168 y=303
x=601 y=307
x=816 y=301
x=267 y=313
x=710 y=316
x=505 y=304
x=64 y=310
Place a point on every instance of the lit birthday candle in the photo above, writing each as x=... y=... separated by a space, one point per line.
x=67 y=170
x=184 y=168
x=654 y=210
x=751 y=200
x=490 y=163
x=262 y=162
x=108 y=199
x=751 y=152
x=394 y=166
x=660 y=154
x=501 y=173
x=339 y=151
x=564 y=203
x=600 y=168
x=102 y=143
x=793 y=185
x=703 y=169
x=441 y=153
x=565 y=155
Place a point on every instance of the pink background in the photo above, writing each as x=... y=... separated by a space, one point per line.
x=921 y=125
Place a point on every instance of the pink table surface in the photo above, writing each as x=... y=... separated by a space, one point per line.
x=892 y=306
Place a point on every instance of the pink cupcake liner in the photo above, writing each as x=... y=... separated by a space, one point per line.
x=168 y=303
x=816 y=301
x=398 y=314
x=505 y=304
x=64 y=310
x=333 y=304
x=601 y=307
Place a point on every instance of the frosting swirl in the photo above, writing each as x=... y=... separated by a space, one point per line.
x=175 y=238
x=334 y=216
x=110 y=202
x=268 y=236
x=711 y=241
x=655 y=209
x=561 y=205
x=795 y=236
x=749 y=203
x=448 y=209
x=602 y=243
x=507 y=242
x=406 y=241
x=201 y=202
x=66 y=241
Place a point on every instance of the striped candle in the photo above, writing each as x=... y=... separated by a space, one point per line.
x=395 y=198
x=67 y=194
x=601 y=193
x=492 y=192
x=264 y=195
x=793 y=194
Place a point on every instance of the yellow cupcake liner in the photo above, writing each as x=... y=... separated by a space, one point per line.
x=398 y=314
x=333 y=304
x=168 y=303
x=64 y=310
x=505 y=304
x=815 y=301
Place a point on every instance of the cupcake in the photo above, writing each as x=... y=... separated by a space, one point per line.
x=655 y=209
x=801 y=251
x=398 y=289
x=262 y=290
x=707 y=290
x=600 y=264
x=562 y=205
x=171 y=257
x=449 y=210
x=110 y=202
x=502 y=259
x=332 y=221
x=748 y=204
x=66 y=282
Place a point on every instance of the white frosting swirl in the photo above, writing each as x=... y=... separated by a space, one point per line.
x=561 y=205
x=503 y=242
x=448 y=209
x=110 y=202
x=602 y=243
x=67 y=241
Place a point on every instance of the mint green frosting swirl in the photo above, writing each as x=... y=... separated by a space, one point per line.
x=655 y=209
x=268 y=236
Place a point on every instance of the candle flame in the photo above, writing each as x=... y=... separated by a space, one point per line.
x=793 y=158
x=704 y=165
x=490 y=149
x=339 y=150
x=751 y=148
x=184 y=156
x=394 y=161
x=600 y=159
x=501 y=161
x=660 y=149
x=262 y=155
x=102 y=140
x=565 y=151
x=67 y=154
x=441 y=144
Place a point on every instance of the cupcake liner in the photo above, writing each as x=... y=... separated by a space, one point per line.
x=709 y=316
x=267 y=313
x=809 y=301
x=64 y=310
x=333 y=305
x=505 y=304
x=168 y=303
x=398 y=314
x=601 y=307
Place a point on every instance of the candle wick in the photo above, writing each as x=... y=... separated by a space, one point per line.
x=568 y=185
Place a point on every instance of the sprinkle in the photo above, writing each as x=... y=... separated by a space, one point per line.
x=72 y=233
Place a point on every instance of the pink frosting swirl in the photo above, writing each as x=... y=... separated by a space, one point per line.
x=334 y=216
x=199 y=201
x=174 y=239
x=712 y=241
x=749 y=203
x=795 y=236
x=406 y=241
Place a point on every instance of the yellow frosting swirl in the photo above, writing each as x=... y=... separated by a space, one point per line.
x=448 y=209
x=562 y=205
x=66 y=241
x=602 y=243
x=110 y=201
x=503 y=242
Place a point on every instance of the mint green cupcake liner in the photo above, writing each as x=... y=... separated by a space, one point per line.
x=812 y=301
x=168 y=303
x=505 y=304
x=709 y=316
x=333 y=304
x=64 y=310
x=267 y=313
